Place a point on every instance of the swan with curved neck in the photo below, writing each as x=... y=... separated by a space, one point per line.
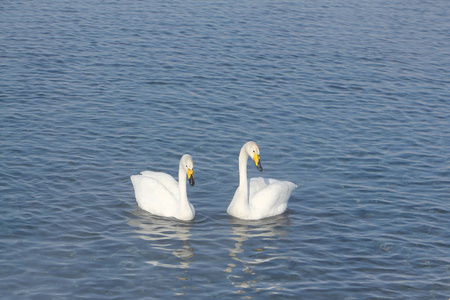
x=160 y=194
x=258 y=198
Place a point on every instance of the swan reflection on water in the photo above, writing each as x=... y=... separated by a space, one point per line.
x=255 y=246
x=166 y=236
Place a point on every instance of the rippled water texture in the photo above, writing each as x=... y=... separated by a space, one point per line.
x=347 y=99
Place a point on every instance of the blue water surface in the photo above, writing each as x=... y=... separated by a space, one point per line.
x=347 y=99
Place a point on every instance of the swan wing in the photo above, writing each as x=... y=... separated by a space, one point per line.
x=269 y=197
x=257 y=184
x=153 y=196
x=164 y=179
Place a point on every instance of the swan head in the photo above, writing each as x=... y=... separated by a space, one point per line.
x=253 y=151
x=187 y=163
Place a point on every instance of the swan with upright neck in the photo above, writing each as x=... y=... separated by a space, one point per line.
x=258 y=198
x=160 y=194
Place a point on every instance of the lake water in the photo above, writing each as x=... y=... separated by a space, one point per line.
x=347 y=99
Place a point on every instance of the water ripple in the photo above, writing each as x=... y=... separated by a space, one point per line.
x=347 y=100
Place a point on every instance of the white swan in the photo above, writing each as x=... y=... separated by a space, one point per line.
x=258 y=198
x=160 y=194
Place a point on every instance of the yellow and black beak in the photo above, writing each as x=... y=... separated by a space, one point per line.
x=190 y=175
x=257 y=160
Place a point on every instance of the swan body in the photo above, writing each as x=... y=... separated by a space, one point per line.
x=160 y=194
x=258 y=198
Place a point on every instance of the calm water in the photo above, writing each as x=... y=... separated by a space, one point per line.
x=348 y=100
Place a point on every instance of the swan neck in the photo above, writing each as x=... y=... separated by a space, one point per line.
x=243 y=183
x=182 y=184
